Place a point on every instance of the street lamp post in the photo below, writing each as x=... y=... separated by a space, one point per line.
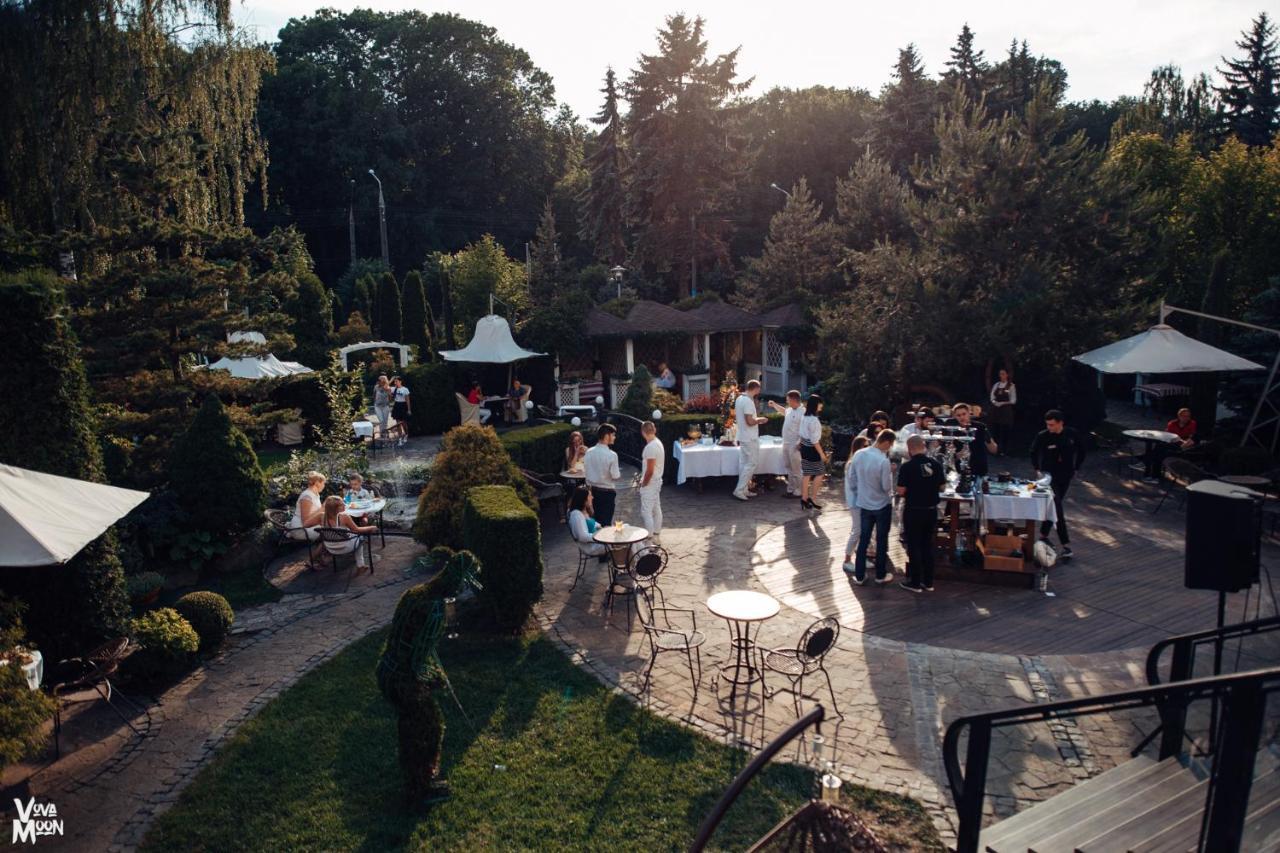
x=351 y=221
x=617 y=273
x=382 y=220
x=781 y=190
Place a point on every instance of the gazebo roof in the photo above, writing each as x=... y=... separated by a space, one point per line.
x=602 y=324
x=646 y=317
x=719 y=316
x=790 y=314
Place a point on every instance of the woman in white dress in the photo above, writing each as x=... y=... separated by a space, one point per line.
x=307 y=512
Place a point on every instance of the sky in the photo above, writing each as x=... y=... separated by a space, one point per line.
x=1108 y=47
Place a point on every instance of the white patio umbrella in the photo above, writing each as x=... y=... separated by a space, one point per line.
x=46 y=519
x=1163 y=349
x=491 y=344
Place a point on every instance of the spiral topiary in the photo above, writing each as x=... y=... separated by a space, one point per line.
x=211 y=616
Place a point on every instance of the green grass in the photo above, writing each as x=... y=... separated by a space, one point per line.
x=271 y=458
x=584 y=769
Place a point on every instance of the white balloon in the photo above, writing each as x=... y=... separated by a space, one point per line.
x=528 y=404
x=657 y=414
x=599 y=401
x=577 y=421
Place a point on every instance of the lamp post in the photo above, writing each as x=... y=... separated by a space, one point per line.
x=616 y=274
x=781 y=190
x=351 y=221
x=382 y=220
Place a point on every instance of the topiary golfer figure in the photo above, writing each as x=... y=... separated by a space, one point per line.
x=410 y=673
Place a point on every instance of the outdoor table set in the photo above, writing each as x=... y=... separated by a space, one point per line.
x=744 y=610
x=717 y=460
x=360 y=509
x=1152 y=438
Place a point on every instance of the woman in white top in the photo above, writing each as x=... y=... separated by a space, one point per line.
x=813 y=458
x=1004 y=396
x=307 y=511
x=334 y=516
x=574 y=453
x=580 y=523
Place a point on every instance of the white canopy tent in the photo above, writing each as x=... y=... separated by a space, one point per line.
x=258 y=367
x=491 y=344
x=1163 y=349
x=46 y=519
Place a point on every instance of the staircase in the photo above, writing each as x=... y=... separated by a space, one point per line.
x=1218 y=792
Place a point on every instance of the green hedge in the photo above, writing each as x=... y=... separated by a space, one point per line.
x=503 y=533
x=431 y=386
x=209 y=614
x=539 y=448
x=673 y=428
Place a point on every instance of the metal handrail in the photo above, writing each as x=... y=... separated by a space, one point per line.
x=1244 y=690
x=1183 y=643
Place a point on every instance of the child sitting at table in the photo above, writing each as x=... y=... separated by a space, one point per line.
x=355 y=490
x=335 y=517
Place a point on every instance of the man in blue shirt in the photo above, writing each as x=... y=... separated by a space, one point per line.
x=875 y=499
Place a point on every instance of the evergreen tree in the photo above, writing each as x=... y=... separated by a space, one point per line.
x=312 y=321
x=546 y=268
x=874 y=205
x=214 y=457
x=1020 y=78
x=903 y=130
x=1251 y=94
x=801 y=259
x=603 y=207
x=967 y=69
x=389 y=325
x=683 y=158
x=1171 y=106
x=77 y=605
x=417 y=316
x=363 y=300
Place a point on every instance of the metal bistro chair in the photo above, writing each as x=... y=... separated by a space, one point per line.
x=638 y=578
x=808 y=657
x=338 y=541
x=584 y=559
x=547 y=490
x=281 y=521
x=91 y=672
x=1178 y=474
x=672 y=638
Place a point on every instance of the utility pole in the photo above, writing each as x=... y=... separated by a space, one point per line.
x=351 y=221
x=528 y=267
x=382 y=221
x=693 y=254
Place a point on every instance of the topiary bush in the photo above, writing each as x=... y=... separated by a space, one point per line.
x=539 y=448
x=503 y=533
x=210 y=615
x=435 y=410
x=470 y=455
x=638 y=401
x=167 y=643
x=215 y=475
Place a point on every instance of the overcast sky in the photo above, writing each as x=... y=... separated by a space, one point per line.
x=1108 y=46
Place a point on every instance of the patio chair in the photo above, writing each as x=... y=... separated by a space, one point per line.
x=809 y=656
x=468 y=411
x=547 y=490
x=339 y=542
x=91 y=672
x=1179 y=473
x=675 y=637
x=638 y=578
x=585 y=558
x=281 y=521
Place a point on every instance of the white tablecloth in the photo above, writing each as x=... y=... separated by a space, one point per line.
x=716 y=461
x=363 y=429
x=1012 y=508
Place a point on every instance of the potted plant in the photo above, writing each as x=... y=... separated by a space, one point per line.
x=144 y=588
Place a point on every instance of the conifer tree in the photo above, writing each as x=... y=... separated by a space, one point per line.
x=1251 y=94
x=903 y=129
x=546 y=266
x=363 y=301
x=389 y=324
x=967 y=69
x=214 y=457
x=800 y=260
x=312 y=321
x=417 y=316
x=603 y=206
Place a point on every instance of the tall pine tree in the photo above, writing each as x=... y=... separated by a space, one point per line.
x=903 y=130
x=389 y=324
x=967 y=69
x=416 y=314
x=603 y=206
x=801 y=257
x=546 y=266
x=1251 y=97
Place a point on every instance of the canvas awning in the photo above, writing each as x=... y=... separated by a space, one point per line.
x=491 y=344
x=46 y=519
x=258 y=367
x=1163 y=349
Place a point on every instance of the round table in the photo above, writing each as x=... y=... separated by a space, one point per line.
x=1250 y=480
x=1150 y=438
x=619 y=542
x=744 y=610
x=373 y=507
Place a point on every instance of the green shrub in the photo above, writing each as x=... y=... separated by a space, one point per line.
x=166 y=641
x=1245 y=460
x=502 y=531
x=539 y=448
x=141 y=585
x=416 y=315
x=469 y=456
x=209 y=614
x=215 y=475
x=22 y=710
x=638 y=401
x=435 y=410
x=388 y=324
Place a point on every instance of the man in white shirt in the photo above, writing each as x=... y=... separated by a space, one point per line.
x=744 y=410
x=792 y=415
x=920 y=426
x=600 y=469
x=875 y=499
x=652 y=461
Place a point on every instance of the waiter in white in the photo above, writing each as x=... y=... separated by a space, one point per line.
x=744 y=410
x=600 y=469
x=792 y=415
x=652 y=461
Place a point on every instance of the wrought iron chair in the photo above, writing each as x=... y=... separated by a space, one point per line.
x=672 y=638
x=808 y=657
x=91 y=672
x=339 y=541
x=638 y=578
x=584 y=559
x=282 y=522
x=547 y=490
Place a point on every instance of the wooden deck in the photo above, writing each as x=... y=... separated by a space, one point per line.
x=1122 y=589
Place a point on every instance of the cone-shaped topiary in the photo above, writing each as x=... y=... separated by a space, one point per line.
x=215 y=474
x=417 y=316
x=638 y=401
x=389 y=323
x=312 y=321
x=470 y=455
x=211 y=616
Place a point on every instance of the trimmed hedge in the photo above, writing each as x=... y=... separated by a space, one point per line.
x=209 y=614
x=431 y=386
x=539 y=448
x=167 y=643
x=503 y=533
x=673 y=428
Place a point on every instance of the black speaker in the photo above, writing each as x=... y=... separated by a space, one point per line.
x=1224 y=536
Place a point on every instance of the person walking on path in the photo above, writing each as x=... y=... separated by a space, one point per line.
x=652 y=460
x=851 y=502
x=813 y=457
x=748 y=423
x=382 y=403
x=401 y=409
x=601 y=472
x=920 y=480
x=1004 y=396
x=792 y=413
x=1058 y=452
x=875 y=500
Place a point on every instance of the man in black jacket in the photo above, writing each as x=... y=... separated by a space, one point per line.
x=1058 y=452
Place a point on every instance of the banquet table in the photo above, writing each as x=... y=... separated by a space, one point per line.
x=1036 y=507
x=701 y=460
x=360 y=509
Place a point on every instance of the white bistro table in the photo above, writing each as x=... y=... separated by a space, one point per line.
x=744 y=610
x=362 y=509
x=1150 y=438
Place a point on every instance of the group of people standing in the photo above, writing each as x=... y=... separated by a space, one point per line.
x=593 y=504
x=391 y=400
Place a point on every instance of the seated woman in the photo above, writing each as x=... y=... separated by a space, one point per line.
x=582 y=525
x=335 y=516
x=355 y=489
x=307 y=512
x=665 y=379
x=476 y=398
x=574 y=453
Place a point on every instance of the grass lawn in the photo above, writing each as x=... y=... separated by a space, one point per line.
x=271 y=458
x=582 y=769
